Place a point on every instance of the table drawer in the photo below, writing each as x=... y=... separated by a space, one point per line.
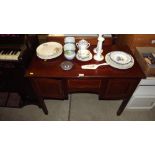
x=50 y=88
x=84 y=85
x=118 y=88
x=148 y=81
x=145 y=90
x=141 y=102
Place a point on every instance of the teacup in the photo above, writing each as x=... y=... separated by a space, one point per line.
x=82 y=44
x=69 y=47
x=69 y=55
x=83 y=54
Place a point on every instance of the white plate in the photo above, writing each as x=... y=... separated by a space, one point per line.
x=120 y=57
x=45 y=57
x=49 y=50
x=85 y=59
x=116 y=65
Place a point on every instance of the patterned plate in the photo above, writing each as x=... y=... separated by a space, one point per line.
x=120 y=57
x=116 y=65
x=49 y=50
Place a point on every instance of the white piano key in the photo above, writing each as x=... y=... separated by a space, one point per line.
x=15 y=57
x=2 y=56
x=9 y=55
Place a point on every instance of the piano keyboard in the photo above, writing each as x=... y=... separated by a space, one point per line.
x=9 y=54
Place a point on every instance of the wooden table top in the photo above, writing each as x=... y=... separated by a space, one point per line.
x=51 y=68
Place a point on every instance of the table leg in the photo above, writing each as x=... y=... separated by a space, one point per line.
x=122 y=106
x=126 y=100
x=39 y=96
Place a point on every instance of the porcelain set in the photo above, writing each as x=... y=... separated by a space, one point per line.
x=70 y=47
x=116 y=59
x=83 y=53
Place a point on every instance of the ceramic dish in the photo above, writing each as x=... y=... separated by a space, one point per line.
x=116 y=65
x=49 y=50
x=120 y=57
x=84 y=59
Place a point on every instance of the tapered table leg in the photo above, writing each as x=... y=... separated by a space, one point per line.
x=39 y=96
x=122 y=106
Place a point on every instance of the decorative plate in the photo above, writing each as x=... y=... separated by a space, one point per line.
x=116 y=65
x=120 y=57
x=49 y=50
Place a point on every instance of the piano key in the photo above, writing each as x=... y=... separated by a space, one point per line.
x=15 y=52
x=8 y=54
x=11 y=52
x=5 y=52
x=1 y=52
x=15 y=57
x=2 y=56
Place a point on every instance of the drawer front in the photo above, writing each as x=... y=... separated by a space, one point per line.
x=147 y=82
x=141 y=102
x=50 y=88
x=84 y=85
x=119 y=88
x=145 y=90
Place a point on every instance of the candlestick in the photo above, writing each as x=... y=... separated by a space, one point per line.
x=98 y=50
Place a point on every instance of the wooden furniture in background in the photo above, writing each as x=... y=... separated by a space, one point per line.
x=135 y=40
x=50 y=81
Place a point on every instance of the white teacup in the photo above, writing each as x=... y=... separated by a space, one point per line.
x=83 y=54
x=69 y=47
x=82 y=44
x=69 y=55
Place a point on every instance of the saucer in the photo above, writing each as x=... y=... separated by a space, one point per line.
x=85 y=59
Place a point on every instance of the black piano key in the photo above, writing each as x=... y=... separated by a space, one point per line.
x=7 y=52
x=3 y=52
x=11 y=52
x=16 y=52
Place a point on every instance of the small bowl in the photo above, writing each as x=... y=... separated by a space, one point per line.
x=69 y=47
x=69 y=56
x=69 y=40
x=83 y=53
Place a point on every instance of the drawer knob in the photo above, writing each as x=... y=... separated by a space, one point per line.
x=31 y=73
x=81 y=75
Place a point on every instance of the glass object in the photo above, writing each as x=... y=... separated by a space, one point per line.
x=66 y=65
